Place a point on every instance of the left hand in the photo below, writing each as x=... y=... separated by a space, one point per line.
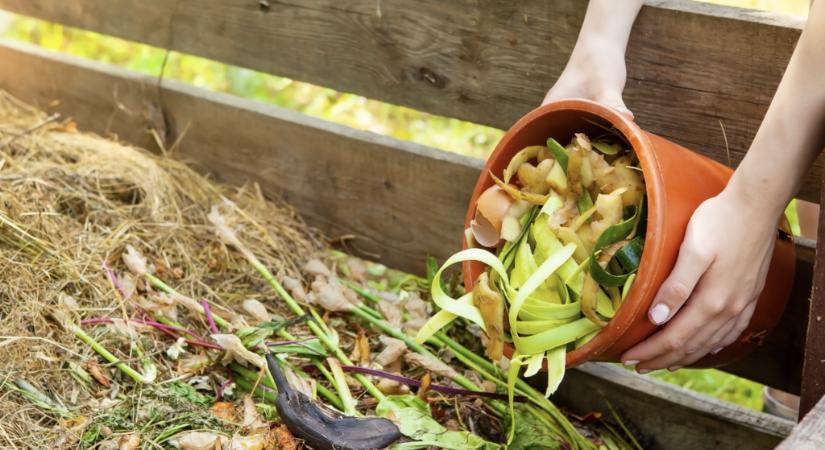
x=709 y=297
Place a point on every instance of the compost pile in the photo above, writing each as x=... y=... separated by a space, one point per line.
x=141 y=305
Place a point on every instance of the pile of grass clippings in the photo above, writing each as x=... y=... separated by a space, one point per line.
x=69 y=204
x=137 y=298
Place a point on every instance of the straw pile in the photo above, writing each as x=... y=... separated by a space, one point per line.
x=69 y=205
x=73 y=206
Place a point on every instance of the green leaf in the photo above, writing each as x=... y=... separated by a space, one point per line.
x=585 y=202
x=531 y=434
x=607 y=149
x=559 y=152
x=414 y=420
x=310 y=347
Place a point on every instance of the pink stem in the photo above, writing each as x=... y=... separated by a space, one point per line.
x=169 y=330
x=208 y=312
x=115 y=281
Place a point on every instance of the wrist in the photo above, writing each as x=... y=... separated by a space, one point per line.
x=757 y=192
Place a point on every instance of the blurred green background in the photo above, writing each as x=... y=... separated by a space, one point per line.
x=351 y=110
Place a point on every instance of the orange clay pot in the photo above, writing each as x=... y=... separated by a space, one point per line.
x=677 y=180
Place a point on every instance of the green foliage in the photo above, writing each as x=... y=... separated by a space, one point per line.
x=531 y=434
x=156 y=413
x=717 y=384
x=415 y=421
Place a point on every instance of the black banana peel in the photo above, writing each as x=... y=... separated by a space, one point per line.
x=322 y=428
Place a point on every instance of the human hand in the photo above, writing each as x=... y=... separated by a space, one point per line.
x=597 y=72
x=709 y=297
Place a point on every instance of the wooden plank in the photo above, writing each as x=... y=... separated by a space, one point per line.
x=669 y=417
x=810 y=433
x=404 y=201
x=692 y=67
x=813 y=385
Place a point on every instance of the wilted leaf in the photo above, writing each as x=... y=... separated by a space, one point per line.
x=98 y=373
x=130 y=441
x=199 y=440
x=234 y=350
x=393 y=349
x=224 y=411
x=280 y=438
x=317 y=268
x=134 y=261
x=251 y=419
x=329 y=295
x=251 y=442
x=257 y=310
x=429 y=363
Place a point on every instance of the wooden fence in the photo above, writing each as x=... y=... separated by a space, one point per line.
x=692 y=69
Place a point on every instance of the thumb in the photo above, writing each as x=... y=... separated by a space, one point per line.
x=677 y=288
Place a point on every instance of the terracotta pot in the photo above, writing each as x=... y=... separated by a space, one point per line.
x=677 y=181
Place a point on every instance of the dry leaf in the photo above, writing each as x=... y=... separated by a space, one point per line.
x=280 y=438
x=361 y=352
x=251 y=442
x=393 y=349
x=392 y=313
x=234 y=349
x=357 y=269
x=199 y=440
x=98 y=373
x=224 y=411
x=317 y=268
x=295 y=288
x=417 y=313
x=392 y=387
x=257 y=310
x=134 y=261
x=130 y=441
x=251 y=419
x=431 y=364
x=425 y=386
x=329 y=295
x=193 y=363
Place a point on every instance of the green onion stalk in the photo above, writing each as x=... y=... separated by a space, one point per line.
x=556 y=420
x=228 y=237
x=224 y=324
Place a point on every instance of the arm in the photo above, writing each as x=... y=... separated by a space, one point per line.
x=724 y=258
x=596 y=69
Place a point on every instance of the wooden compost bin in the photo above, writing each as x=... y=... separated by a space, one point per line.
x=484 y=61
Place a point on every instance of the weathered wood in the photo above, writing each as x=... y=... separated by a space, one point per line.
x=813 y=386
x=486 y=61
x=810 y=433
x=403 y=201
x=670 y=417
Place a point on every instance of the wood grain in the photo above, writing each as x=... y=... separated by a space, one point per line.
x=401 y=201
x=810 y=433
x=813 y=386
x=667 y=416
x=693 y=68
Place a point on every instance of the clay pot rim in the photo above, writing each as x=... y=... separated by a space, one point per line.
x=654 y=187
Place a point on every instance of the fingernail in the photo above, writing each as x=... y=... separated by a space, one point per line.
x=643 y=371
x=674 y=368
x=631 y=362
x=716 y=350
x=659 y=313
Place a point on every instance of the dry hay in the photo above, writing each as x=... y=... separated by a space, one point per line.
x=70 y=203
